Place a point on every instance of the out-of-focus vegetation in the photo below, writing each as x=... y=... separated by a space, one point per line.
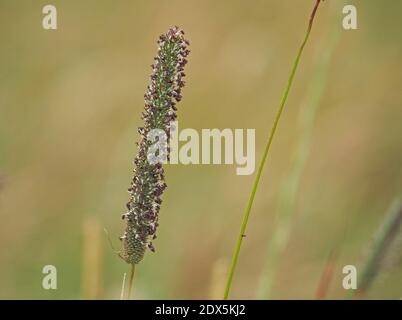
x=70 y=104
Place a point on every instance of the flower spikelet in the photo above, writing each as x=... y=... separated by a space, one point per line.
x=148 y=183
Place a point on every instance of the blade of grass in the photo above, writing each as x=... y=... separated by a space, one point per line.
x=266 y=151
x=327 y=275
x=289 y=189
x=130 y=281
x=386 y=237
x=123 y=287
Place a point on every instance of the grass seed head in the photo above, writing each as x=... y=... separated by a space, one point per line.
x=148 y=183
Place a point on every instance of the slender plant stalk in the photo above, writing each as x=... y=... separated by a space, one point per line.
x=92 y=260
x=327 y=276
x=386 y=241
x=265 y=154
x=123 y=287
x=130 y=281
x=289 y=189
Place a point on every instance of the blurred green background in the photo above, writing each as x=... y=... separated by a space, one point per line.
x=70 y=103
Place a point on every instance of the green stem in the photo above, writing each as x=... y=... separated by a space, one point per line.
x=130 y=281
x=289 y=189
x=123 y=287
x=381 y=250
x=265 y=154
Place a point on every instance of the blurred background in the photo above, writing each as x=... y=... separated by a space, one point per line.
x=70 y=104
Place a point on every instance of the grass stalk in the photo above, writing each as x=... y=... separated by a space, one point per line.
x=123 y=285
x=386 y=242
x=327 y=276
x=130 y=281
x=289 y=189
x=266 y=152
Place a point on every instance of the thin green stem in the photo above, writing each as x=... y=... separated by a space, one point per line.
x=265 y=154
x=123 y=287
x=380 y=254
x=289 y=189
x=130 y=281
